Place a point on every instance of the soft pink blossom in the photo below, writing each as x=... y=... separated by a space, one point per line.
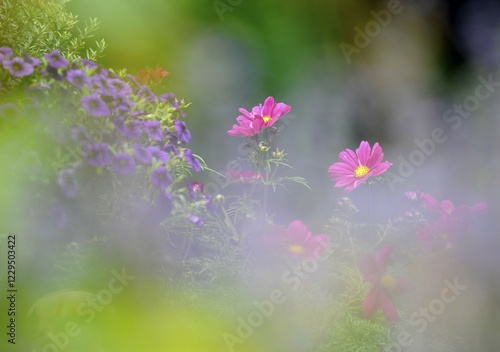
x=260 y=118
x=447 y=208
x=355 y=168
x=245 y=176
x=373 y=268
x=296 y=241
x=440 y=234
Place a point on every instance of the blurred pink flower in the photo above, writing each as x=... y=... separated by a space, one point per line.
x=296 y=241
x=441 y=234
x=243 y=176
x=355 y=168
x=261 y=117
x=413 y=195
x=373 y=269
x=447 y=208
x=451 y=225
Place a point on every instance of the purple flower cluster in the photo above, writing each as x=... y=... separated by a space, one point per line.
x=17 y=66
x=117 y=124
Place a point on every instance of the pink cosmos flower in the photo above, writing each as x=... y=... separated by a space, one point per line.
x=354 y=168
x=384 y=285
x=246 y=176
x=441 y=234
x=447 y=208
x=261 y=117
x=296 y=241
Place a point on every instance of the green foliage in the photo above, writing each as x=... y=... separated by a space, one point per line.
x=351 y=333
x=37 y=27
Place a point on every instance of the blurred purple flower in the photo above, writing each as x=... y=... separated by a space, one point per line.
x=122 y=103
x=159 y=154
x=120 y=125
x=134 y=129
x=161 y=178
x=18 y=67
x=5 y=53
x=118 y=88
x=170 y=97
x=95 y=106
x=131 y=128
x=88 y=63
x=78 y=78
x=67 y=181
x=97 y=155
x=154 y=130
x=171 y=137
x=195 y=220
x=123 y=164
x=100 y=81
x=208 y=201
x=195 y=164
x=31 y=60
x=145 y=92
x=182 y=131
x=171 y=148
x=142 y=154
x=56 y=60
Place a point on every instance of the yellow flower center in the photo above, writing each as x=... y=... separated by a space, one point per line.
x=266 y=118
x=361 y=171
x=296 y=248
x=388 y=282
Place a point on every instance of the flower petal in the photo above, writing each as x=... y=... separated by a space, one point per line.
x=388 y=307
x=376 y=156
x=382 y=256
x=268 y=107
x=372 y=301
x=349 y=157
x=363 y=152
x=380 y=168
x=298 y=232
